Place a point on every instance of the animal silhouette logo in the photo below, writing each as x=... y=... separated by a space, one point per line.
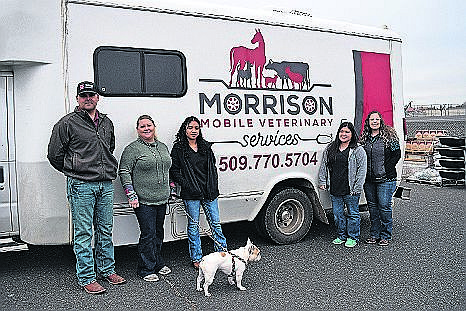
x=243 y=60
x=250 y=63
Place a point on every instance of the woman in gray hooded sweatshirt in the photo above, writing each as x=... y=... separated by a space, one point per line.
x=342 y=172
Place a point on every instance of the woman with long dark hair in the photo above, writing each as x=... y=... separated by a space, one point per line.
x=194 y=170
x=342 y=172
x=383 y=153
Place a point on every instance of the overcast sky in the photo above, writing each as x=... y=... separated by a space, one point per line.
x=433 y=34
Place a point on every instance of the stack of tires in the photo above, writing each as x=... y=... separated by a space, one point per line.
x=452 y=159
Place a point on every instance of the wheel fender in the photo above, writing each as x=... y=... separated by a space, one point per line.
x=318 y=210
x=268 y=190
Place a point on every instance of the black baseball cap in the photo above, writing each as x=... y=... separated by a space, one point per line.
x=85 y=87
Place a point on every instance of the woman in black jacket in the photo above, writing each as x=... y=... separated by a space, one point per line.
x=383 y=153
x=193 y=168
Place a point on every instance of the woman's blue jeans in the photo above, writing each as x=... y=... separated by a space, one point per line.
x=379 y=200
x=151 y=219
x=193 y=207
x=91 y=205
x=348 y=226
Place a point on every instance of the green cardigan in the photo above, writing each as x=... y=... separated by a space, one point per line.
x=145 y=166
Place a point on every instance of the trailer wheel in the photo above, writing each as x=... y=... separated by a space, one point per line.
x=288 y=216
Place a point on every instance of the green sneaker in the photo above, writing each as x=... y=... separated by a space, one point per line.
x=337 y=241
x=351 y=243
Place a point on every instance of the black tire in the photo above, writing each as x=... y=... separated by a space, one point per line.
x=288 y=216
x=259 y=223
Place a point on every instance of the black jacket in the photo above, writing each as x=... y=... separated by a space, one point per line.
x=181 y=172
x=381 y=159
x=78 y=149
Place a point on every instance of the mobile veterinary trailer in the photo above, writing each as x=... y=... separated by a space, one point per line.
x=270 y=89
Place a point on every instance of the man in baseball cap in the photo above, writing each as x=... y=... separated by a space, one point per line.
x=81 y=147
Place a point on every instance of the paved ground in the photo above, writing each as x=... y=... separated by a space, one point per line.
x=422 y=269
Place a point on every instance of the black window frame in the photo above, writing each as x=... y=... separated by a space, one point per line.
x=142 y=52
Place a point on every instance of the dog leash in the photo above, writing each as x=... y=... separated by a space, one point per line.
x=233 y=256
x=215 y=241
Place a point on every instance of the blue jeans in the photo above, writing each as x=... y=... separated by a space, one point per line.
x=151 y=219
x=193 y=207
x=348 y=226
x=379 y=201
x=92 y=205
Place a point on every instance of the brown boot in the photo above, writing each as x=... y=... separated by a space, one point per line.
x=94 y=288
x=115 y=279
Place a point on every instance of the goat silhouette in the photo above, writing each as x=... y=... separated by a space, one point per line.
x=244 y=75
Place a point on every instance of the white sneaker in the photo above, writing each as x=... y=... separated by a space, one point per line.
x=165 y=270
x=151 y=278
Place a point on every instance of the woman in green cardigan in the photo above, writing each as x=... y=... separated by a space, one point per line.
x=143 y=171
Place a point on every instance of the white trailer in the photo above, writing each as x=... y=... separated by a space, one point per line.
x=270 y=89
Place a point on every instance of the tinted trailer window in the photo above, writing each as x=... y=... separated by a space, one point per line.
x=139 y=72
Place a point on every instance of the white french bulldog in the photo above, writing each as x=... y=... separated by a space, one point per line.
x=232 y=265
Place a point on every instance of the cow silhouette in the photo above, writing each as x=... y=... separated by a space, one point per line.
x=296 y=67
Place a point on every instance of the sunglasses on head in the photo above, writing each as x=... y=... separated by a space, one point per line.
x=86 y=95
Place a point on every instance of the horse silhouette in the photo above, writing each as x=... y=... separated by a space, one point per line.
x=240 y=55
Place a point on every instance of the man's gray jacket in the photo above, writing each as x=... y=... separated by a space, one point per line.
x=80 y=150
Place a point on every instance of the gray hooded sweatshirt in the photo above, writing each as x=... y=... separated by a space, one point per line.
x=357 y=168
